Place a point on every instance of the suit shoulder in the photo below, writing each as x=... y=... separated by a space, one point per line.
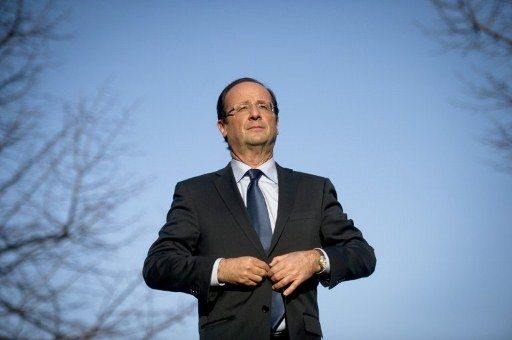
x=308 y=177
x=198 y=180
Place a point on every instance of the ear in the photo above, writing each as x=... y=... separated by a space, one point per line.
x=221 y=125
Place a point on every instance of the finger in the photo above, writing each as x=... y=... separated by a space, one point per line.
x=278 y=276
x=260 y=264
x=275 y=278
x=254 y=278
x=258 y=271
x=278 y=266
x=281 y=283
x=292 y=287
x=265 y=267
x=248 y=282
x=247 y=279
x=276 y=260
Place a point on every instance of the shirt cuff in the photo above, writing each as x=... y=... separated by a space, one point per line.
x=327 y=268
x=214 y=281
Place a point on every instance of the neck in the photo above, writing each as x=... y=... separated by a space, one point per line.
x=253 y=159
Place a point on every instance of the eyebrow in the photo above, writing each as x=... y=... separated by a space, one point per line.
x=259 y=101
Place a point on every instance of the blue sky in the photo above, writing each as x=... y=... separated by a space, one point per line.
x=366 y=99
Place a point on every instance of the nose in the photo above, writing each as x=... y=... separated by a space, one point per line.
x=254 y=113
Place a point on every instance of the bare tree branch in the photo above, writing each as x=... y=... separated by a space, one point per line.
x=475 y=25
x=484 y=28
x=62 y=191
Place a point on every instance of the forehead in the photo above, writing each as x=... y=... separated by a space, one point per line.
x=247 y=91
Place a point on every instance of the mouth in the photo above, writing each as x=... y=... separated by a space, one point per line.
x=255 y=128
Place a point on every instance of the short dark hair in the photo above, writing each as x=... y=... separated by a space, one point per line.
x=221 y=111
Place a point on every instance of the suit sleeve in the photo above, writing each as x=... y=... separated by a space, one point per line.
x=172 y=263
x=350 y=256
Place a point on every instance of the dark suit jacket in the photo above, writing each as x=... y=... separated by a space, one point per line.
x=208 y=220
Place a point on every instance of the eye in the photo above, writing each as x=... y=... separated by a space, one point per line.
x=264 y=106
x=242 y=108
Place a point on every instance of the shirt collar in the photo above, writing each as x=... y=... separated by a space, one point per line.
x=268 y=168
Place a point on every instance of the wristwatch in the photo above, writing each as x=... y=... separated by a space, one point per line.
x=322 y=261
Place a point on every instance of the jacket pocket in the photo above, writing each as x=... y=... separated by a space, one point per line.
x=312 y=325
x=303 y=215
x=217 y=321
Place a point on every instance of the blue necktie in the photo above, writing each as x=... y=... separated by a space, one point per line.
x=260 y=221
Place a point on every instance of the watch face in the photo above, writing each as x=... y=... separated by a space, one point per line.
x=323 y=262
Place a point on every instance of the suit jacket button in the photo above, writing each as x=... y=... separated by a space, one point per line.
x=265 y=309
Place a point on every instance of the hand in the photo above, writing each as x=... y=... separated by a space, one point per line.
x=245 y=270
x=293 y=268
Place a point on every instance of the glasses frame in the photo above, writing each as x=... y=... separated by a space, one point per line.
x=260 y=106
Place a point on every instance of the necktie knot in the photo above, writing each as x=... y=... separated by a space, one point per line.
x=254 y=174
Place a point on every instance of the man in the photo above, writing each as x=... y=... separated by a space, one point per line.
x=252 y=241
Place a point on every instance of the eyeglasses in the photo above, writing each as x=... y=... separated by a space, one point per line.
x=245 y=108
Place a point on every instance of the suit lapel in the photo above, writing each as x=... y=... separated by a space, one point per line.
x=287 y=188
x=228 y=191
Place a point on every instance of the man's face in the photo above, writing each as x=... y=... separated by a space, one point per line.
x=252 y=127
